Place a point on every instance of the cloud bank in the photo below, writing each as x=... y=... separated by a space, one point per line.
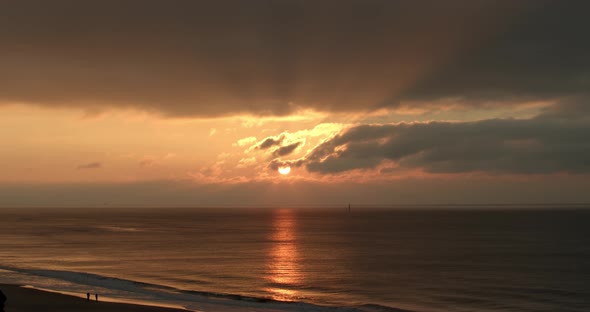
x=555 y=141
x=219 y=58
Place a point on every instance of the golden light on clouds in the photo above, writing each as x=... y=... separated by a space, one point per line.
x=129 y=145
x=444 y=91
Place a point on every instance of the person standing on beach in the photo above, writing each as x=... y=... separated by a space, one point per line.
x=96 y=297
x=88 y=296
x=2 y=300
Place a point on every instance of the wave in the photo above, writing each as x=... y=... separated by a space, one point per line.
x=379 y=308
x=190 y=299
x=115 y=228
x=105 y=228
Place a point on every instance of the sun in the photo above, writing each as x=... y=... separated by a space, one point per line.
x=284 y=170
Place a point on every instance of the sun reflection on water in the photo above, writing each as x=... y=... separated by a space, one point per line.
x=283 y=269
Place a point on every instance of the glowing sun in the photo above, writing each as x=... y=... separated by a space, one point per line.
x=284 y=170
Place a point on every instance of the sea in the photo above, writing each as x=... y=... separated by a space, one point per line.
x=439 y=258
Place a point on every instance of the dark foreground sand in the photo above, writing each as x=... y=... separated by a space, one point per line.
x=32 y=300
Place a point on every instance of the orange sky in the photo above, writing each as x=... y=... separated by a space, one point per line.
x=199 y=104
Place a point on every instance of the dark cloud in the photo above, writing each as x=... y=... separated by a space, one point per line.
x=275 y=164
x=269 y=142
x=213 y=58
x=539 y=55
x=574 y=109
x=285 y=150
x=92 y=165
x=540 y=145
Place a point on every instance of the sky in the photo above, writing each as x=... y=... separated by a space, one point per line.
x=200 y=103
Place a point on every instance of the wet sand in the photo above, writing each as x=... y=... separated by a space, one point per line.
x=32 y=300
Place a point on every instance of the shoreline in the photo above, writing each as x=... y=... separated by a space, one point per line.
x=22 y=298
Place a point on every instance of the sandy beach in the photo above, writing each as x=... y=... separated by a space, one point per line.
x=32 y=300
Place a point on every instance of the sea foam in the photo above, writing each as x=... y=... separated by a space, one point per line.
x=124 y=290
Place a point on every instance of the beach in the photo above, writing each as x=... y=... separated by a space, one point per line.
x=27 y=299
x=21 y=299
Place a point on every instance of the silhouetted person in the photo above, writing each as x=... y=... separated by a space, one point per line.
x=88 y=296
x=96 y=297
x=2 y=300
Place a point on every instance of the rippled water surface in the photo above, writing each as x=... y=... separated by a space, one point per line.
x=420 y=259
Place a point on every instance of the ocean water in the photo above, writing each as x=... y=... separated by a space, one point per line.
x=439 y=259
